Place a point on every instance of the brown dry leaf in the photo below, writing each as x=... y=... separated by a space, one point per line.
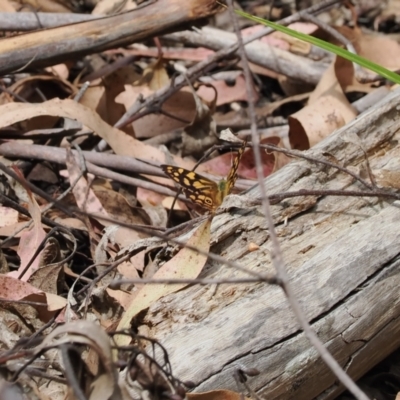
x=328 y=109
x=109 y=7
x=225 y=93
x=49 y=274
x=187 y=264
x=221 y=165
x=116 y=205
x=51 y=86
x=169 y=200
x=181 y=105
x=156 y=214
x=53 y=6
x=102 y=93
x=104 y=380
x=72 y=223
x=59 y=70
x=220 y=394
x=42 y=173
x=7 y=6
x=119 y=141
x=30 y=239
x=270 y=108
x=271 y=161
x=12 y=229
x=155 y=76
x=376 y=47
x=129 y=269
x=148 y=196
x=85 y=197
x=283 y=42
x=47 y=278
x=8 y=216
x=390 y=11
x=202 y=132
x=17 y=290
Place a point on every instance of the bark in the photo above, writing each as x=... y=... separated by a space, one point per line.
x=50 y=46
x=342 y=256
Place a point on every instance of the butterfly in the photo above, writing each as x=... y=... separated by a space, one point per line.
x=201 y=190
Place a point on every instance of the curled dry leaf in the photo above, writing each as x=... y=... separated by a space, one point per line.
x=88 y=333
x=187 y=264
x=25 y=87
x=328 y=109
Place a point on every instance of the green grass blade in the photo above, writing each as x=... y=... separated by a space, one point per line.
x=378 y=69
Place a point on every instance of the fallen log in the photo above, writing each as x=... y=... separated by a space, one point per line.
x=342 y=257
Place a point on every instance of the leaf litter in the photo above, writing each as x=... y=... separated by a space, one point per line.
x=49 y=107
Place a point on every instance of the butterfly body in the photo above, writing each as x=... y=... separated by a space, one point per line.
x=201 y=190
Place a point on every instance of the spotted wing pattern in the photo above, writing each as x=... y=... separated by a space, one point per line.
x=201 y=190
x=232 y=176
x=197 y=188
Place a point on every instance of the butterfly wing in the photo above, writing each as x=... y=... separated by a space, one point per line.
x=197 y=188
x=232 y=176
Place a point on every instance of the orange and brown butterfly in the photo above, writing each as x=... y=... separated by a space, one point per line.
x=201 y=190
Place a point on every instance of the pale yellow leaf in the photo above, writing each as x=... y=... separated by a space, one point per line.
x=187 y=264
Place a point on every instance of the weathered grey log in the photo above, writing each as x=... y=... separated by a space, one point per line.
x=342 y=256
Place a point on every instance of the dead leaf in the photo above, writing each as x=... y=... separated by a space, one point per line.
x=109 y=7
x=202 y=132
x=30 y=240
x=219 y=394
x=85 y=197
x=7 y=6
x=8 y=216
x=17 y=290
x=180 y=105
x=226 y=93
x=118 y=140
x=102 y=94
x=187 y=264
x=328 y=109
x=50 y=272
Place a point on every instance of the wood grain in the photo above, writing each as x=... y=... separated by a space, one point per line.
x=50 y=46
x=342 y=256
